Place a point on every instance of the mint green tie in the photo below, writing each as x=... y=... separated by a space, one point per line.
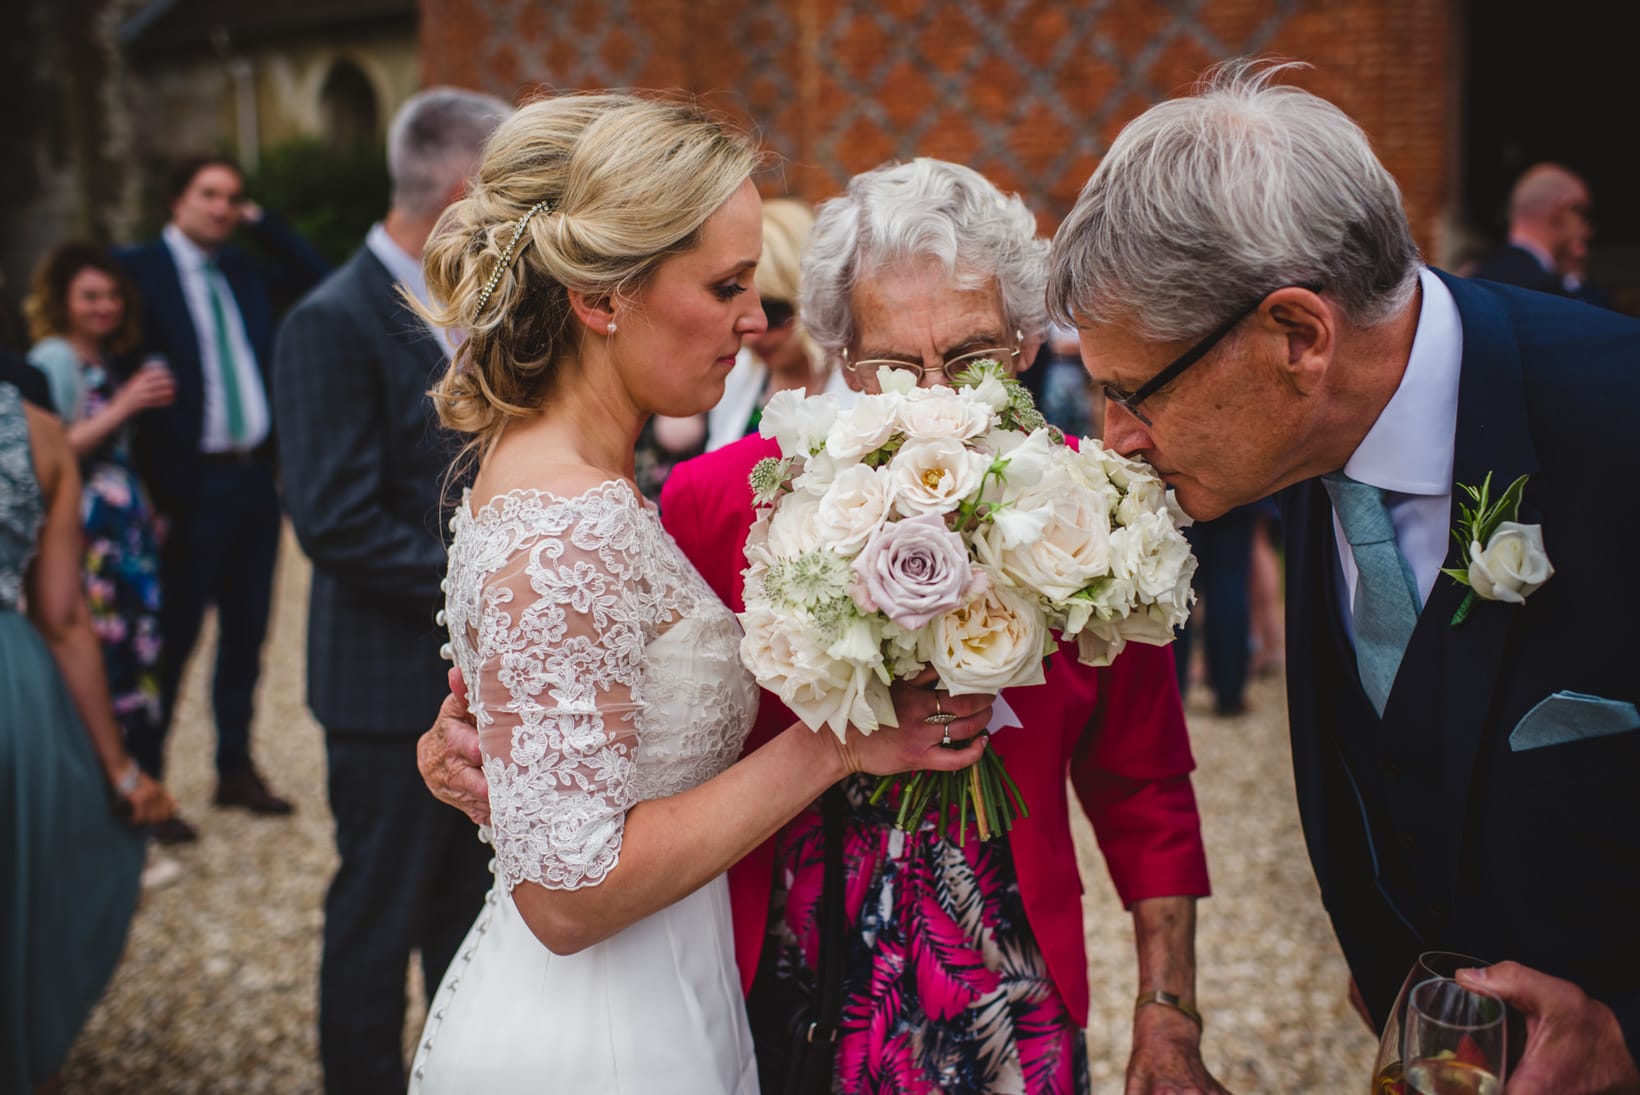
x=225 y=356
x=1386 y=591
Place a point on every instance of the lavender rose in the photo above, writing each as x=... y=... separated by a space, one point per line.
x=914 y=570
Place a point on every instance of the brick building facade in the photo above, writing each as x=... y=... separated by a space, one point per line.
x=1029 y=92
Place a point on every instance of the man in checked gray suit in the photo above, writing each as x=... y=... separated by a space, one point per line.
x=364 y=462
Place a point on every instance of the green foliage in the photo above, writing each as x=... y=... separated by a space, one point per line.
x=331 y=196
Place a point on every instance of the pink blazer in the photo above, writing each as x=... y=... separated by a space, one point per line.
x=1118 y=733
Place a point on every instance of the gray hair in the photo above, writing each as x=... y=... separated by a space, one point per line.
x=435 y=141
x=1242 y=188
x=902 y=214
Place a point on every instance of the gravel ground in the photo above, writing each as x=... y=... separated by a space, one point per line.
x=218 y=986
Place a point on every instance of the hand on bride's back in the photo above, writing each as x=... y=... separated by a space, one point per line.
x=917 y=744
x=449 y=757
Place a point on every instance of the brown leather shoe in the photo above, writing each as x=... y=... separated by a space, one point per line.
x=173 y=830
x=247 y=789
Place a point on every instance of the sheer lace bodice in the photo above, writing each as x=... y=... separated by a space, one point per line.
x=21 y=506
x=602 y=671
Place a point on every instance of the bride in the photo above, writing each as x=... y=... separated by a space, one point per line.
x=601 y=266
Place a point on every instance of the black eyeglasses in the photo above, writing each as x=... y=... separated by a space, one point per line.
x=778 y=313
x=1129 y=401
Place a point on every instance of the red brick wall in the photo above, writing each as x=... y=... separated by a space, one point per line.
x=1031 y=97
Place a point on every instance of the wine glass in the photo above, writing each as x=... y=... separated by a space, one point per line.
x=1386 y=1068
x=1455 y=1041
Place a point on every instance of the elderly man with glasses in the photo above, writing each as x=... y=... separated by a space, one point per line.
x=1465 y=757
x=964 y=969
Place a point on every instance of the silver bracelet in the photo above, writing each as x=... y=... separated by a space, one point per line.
x=129 y=782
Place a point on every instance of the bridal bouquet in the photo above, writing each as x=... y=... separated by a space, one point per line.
x=950 y=528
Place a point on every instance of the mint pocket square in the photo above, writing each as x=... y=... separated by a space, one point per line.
x=1572 y=716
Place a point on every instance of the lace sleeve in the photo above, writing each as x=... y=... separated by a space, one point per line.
x=559 y=651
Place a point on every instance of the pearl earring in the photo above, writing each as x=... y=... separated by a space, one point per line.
x=611 y=327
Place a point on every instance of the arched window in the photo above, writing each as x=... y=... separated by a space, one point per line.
x=347 y=103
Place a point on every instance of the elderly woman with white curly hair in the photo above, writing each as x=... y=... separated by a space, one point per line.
x=962 y=968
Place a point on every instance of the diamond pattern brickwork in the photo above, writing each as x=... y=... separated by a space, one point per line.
x=1029 y=92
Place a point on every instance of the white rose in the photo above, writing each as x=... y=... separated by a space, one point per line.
x=787 y=659
x=856 y=505
x=1069 y=550
x=1144 y=495
x=864 y=427
x=1512 y=565
x=798 y=423
x=794 y=529
x=945 y=414
x=934 y=476
x=996 y=641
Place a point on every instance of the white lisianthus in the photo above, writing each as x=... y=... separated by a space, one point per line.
x=855 y=505
x=935 y=475
x=796 y=422
x=891 y=381
x=1512 y=564
x=945 y=414
x=819 y=474
x=864 y=427
x=1144 y=496
x=995 y=641
x=786 y=658
x=1157 y=557
x=990 y=392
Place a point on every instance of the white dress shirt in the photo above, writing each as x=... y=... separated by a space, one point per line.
x=1409 y=450
x=196 y=280
x=406 y=270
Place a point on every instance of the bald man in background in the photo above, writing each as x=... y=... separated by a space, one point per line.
x=1549 y=230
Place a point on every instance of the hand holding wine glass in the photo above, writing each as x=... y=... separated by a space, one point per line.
x=1455 y=1040
x=1386 y=1069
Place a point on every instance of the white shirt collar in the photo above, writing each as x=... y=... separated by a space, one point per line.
x=401 y=264
x=1409 y=450
x=185 y=251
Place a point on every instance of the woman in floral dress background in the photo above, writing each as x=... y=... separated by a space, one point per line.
x=82 y=314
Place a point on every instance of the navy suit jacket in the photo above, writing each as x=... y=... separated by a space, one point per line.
x=1426 y=828
x=167 y=438
x=364 y=462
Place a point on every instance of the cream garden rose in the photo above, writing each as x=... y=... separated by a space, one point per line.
x=935 y=475
x=995 y=641
x=786 y=658
x=856 y=504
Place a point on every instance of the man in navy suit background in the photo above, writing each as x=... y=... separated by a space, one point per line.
x=1549 y=232
x=1249 y=295
x=207 y=459
x=366 y=472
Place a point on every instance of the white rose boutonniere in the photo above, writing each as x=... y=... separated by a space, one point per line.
x=1506 y=559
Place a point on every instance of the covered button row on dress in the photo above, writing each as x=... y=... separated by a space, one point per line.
x=454 y=983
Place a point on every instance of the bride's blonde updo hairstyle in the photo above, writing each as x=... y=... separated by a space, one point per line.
x=617 y=182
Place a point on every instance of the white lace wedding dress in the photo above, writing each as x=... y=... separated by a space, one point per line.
x=602 y=671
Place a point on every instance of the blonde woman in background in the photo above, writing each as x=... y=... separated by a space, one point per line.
x=784 y=356
x=602 y=265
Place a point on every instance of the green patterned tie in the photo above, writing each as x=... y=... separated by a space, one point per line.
x=225 y=356
x=1386 y=591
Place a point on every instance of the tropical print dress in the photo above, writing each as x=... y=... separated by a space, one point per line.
x=121 y=567
x=945 y=989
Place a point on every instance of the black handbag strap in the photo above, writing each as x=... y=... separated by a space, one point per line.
x=833 y=945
